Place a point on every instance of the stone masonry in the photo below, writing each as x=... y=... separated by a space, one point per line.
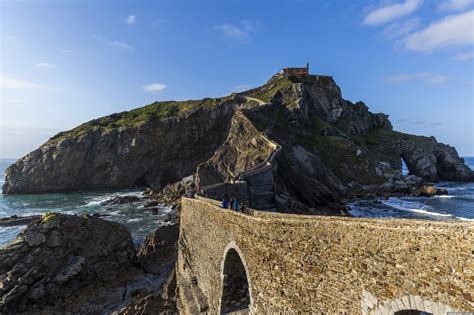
x=343 y=265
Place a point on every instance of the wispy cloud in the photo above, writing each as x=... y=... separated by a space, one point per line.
x=464 y=56
x=117 y=44
x=424 y=122
x=131 y=19
x=44 y=65
x=391 y=12
x=455 y=5
x=154 y=88
x=241 y=31
x=425 y=77
x=120 y=44
x=441 y=123
x=418 y=122
x=449 y=31
x=401 y=29
x=158 y=22
x=17 y=84
x=68 y=51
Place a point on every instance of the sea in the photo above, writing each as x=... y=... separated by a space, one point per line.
x=135 y=217
x=457 y=205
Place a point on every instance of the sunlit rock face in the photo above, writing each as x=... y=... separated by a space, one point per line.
x=331 y=148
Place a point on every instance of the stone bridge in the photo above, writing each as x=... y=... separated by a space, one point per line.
x=230 y=262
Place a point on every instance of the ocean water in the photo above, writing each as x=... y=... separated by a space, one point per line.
x=458 y=205
x=139 y=221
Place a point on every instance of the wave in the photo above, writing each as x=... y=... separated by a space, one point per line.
x=96 y=201
x=464 y=219
x=413 y=206
x=135 y=220
x=445 y=196
x=430 y=213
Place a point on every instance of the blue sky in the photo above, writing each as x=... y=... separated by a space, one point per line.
x=66 y=62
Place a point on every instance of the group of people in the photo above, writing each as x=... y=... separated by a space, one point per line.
x=232 y=204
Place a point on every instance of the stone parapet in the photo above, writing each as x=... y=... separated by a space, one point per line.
x=329 y=264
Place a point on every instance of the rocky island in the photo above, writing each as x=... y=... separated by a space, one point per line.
x=292 y=145
x=331 y=149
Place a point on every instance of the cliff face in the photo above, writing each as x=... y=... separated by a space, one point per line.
x=109 y=153
x=328 y=146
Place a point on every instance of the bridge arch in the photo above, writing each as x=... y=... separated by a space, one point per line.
x=411 y=305
x=236 y=294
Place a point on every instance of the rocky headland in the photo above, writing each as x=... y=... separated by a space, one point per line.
x=331 y=150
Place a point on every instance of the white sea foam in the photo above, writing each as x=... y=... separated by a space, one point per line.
x=413 y=206
x=430 y=213
x=465 y=219
x=135 y=220
x=445 y=196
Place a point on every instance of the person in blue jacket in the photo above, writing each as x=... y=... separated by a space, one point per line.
x=225 y=203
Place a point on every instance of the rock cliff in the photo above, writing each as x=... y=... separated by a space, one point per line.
x=150 y=146
x=330 y=147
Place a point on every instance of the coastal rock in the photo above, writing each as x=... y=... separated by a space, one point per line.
x=119 y=200
x=169 y=195
x=330 y=148
x=159 y=249
x=56 y=256
x=138 y=148
x=158 y=303
x=18 y=220
x=433 y=161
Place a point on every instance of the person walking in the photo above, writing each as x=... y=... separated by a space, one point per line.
x=236 y=205
x=225 y=203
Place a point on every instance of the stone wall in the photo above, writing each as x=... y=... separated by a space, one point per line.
x=329 y=264
x=237 y=190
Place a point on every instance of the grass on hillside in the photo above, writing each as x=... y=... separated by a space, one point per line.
x=154 y=112
x=266 y=92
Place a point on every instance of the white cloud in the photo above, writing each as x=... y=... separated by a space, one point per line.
x=120 y=45
x=154 y=87
x=68 y=51
x=464 y=56
x=426 y=77
x=389 y=13
x=449 y=31
x=17 y=84
x=455 y=5
x=241 y=31
x=401 y=29
x=131 y=19
x=44 y=65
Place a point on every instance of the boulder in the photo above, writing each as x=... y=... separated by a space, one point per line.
x=427 y=191
x=159 y=249
x=119 y=200
x=18 y=220
x=56 y=256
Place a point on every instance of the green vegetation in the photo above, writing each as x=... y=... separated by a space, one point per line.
x=266 y=92
x=338 y=153
x=48 y=216
x=136 y=117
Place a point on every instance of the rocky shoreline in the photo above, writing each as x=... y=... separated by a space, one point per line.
x=67 y=264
